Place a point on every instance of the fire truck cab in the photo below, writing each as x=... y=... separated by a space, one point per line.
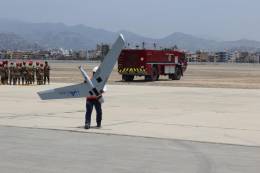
x=151 y=64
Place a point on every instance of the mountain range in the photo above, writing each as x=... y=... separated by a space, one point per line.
x=29 y=36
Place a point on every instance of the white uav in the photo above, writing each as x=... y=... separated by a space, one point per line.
x=90 y=87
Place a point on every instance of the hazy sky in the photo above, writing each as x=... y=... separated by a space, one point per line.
x=217 y=19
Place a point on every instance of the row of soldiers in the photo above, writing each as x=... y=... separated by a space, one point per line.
x=24 y=73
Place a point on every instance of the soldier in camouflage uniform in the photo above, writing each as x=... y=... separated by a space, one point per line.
x=20 y=74
x=37 y=72
x=17 y=74
x=23 y=73
x=2 y=72
x=46 y=73
x=29 y=75
x=33 y=76
x=6 y=72
x=11 y=73
x=14 y=74
x=41 y=74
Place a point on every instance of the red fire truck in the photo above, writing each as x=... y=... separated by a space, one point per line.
x=151 y=64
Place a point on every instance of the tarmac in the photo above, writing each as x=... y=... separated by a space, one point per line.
x=215 y=115
x=144 y=129
x=26 y=150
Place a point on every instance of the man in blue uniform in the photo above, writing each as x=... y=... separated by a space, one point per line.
x=94 y=101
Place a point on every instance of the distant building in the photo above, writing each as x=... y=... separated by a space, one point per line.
x=253 y=58
x=258 y=55
x=104 y=49
x=100 y=52
x=243 y=57
x=223 y=56
x=83 y=54
x=212 y=57
x=202 y=56
x=191 y=57
x=234 y=56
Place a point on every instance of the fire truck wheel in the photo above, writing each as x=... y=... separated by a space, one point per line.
x=154 y=76
x=177 y=74
x=147 y=78
x=127 y=77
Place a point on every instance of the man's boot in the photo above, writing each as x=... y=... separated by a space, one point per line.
x=87 y=126
x=98 y=124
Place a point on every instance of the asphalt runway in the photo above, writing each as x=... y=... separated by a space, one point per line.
x=144 y=129
x=26 y=150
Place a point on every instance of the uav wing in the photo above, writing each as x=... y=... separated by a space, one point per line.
x=72 y=91
x=89 y=88
x=101 y=76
